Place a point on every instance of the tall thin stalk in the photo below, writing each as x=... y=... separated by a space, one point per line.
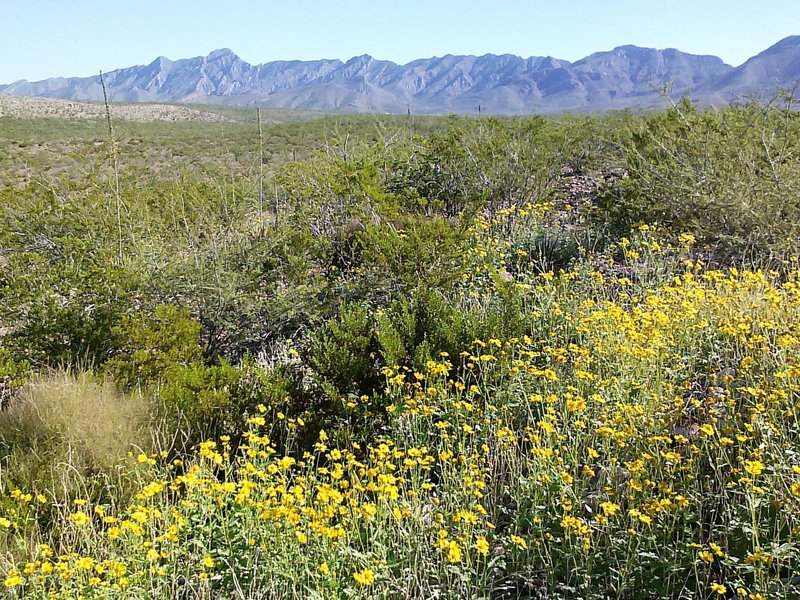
x=261 y=168
x=112 y=151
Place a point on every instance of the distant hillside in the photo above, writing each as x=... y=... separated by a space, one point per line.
x=27 y=107
x=777 y=66
x=625 y=77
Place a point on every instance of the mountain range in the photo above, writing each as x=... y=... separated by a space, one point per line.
x=625 y=77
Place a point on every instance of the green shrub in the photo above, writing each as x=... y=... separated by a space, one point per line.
x=476 y=164
x=13 y=374
x=342 y=353
x=210 y=401
x=418 y=250
x=729 y=177
x=151 y=346
x=61 y=305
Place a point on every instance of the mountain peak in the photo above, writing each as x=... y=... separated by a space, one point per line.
x=161 y=61
x=362 y=59
x=633 y=48
x=222 y=53
x=787 y=44
x=791 y=40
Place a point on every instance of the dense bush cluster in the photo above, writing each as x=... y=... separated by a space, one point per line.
x=491 y=358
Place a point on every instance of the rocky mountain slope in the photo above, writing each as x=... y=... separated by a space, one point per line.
x=627 y=76
x=776 y=67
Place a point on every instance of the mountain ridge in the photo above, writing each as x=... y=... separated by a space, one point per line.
x=627 y=76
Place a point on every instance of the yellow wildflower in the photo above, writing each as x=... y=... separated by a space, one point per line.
x=364 y=577
x=518 y=541
x=80 y=518
x=753 y=467
x=481 y=545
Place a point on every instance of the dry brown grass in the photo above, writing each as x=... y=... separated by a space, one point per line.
x=71 y=435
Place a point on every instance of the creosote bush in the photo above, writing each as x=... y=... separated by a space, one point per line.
x=729 y=177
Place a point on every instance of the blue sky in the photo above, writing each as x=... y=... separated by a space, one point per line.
x=46 y=38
